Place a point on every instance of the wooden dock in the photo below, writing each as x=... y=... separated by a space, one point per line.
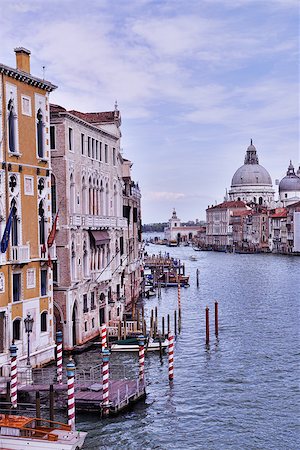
x=89 y=395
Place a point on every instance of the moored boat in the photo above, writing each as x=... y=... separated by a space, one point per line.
x=20 y=432
x=131 y=345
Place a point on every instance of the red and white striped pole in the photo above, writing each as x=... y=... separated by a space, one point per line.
x=105 y=381
x=103 y=336
x=141 y=342
x=171 y=357
x=178 y=289
x=59 y=361
x=13 y=376
x=71 y=397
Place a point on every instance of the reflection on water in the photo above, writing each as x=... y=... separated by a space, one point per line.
x=240 y=392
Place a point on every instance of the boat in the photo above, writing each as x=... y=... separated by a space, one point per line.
x=169 y=279
x=131 y=345
x=20 y=432
x=193 y=258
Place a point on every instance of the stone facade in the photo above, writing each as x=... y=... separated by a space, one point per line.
x=177 y=233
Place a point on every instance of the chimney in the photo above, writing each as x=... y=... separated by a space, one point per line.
x=23 y=59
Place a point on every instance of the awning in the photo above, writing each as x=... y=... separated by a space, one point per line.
x=100 y=237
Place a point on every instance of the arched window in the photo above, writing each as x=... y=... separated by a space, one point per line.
x=73 y=262
x=72 y=194
x=11 y=127
x=101 y=199
x=40 y=133
x=44 y=316
x=85 y=260
x=42 y=223
x=260 y=200
x=83 y=197
x=17 y=329
x=90 y=197
x=107 y=199
x=239 y=199
x=14 y=224
x=115 y=201
x=53 y=195
x=254 y=199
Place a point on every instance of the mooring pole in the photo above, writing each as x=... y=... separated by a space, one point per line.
x=197 y=277
x=171 y=357
x=216 y=319
x=175 y=322
x=13 y=376
x=163 y=326
x=207 y=324
x=59 y=352
x=105 y=381
x=168 y=323
x=51 y=403
x=71 y=398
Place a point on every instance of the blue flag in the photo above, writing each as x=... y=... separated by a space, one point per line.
x=5 y=237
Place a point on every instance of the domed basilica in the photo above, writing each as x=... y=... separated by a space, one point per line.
x=252 y=182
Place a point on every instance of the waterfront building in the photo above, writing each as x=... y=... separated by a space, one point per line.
x=278 y=241
x=93 y=239
x=177 y=232
x=132 y=256
x=25 y=214
x=293 y=227
x=219 y=223
x=252 y=182
x=289 y=187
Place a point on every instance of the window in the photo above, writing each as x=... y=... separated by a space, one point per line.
x=71 y=139
x=42 y=222
x=93 y=306
x=85 y=326
x=82 y=143
x=44 y=282
x=44 y=321
x=28 y=185
x=26 y=105
x=121 y=245
x=54 y=272
x=11 y=127
x=14 y=224
x=53 y=194
x=30 y=278
x=114 y=156
x=40 y=133
x=52 y=137
x=100 y=151
x=93 y=322
x=135 y=215
x=106 y=153
x=97 y=154
x=85 y=308
x=93 y=148
x=17 y=329
x=16 y=287
x=89 y=147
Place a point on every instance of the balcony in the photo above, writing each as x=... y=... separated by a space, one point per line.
x=20 y=254
x=99 y=276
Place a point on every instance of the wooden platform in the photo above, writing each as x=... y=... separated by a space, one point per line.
x=89 y=396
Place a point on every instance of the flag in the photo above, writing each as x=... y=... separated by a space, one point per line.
x=49 y=262
x=5 y=237
x=52 y=233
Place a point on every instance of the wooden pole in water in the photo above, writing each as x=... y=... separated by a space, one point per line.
x=175 y=322
x=168 y=323
x=119 y=330
x=51 y=402
x=105 y=381
x=216 y=319
x=37 y=405
x=125 y=333
x=155 y=322
x=197 y=277
x=59 y=359
x=138 y=319
x=163 y=326
x=143 y=316
x=144 y=328
x=171 y=357
x=13 y=376
x=207 y=324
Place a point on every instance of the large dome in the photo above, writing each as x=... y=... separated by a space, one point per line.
x=291 y=182
x=251 y=174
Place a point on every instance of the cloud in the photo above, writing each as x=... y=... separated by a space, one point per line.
x=163 y=196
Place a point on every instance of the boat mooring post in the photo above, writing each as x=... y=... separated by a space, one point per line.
x=197 y=277
x=103 y=336
x=216 y=319
x=37 y=405
x=178 y=295
x=138 y=319
x=155 y=322
x=168 y=323
x=59 y=352
x=141 y=342
x=207 y=324
x=51 y=402
x=171 y=357
x=13 y=376
x=71 y=398
x=125 y=331
x=163 y=326
x=175 y=322
x=144 y=328
x=105 y=381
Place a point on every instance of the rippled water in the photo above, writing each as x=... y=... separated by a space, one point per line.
x=240 y=393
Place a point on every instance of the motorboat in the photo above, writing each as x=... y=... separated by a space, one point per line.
x=20 y=432
x=131 y=345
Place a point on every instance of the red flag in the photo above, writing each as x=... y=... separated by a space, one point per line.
x=52 y=233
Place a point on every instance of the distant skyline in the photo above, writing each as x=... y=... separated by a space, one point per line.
x=194 y=80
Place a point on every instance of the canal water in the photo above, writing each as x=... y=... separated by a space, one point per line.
x=241 y=392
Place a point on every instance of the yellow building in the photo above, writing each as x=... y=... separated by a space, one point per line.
x=25 y=205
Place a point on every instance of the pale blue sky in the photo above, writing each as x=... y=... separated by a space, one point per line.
x=194 y=80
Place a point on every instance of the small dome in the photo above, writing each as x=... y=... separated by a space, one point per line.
x=291 y=182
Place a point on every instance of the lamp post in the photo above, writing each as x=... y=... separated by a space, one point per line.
x=28 y=328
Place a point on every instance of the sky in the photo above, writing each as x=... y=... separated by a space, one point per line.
x=195 y=80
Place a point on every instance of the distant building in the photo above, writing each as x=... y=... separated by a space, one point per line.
x=289 y=187
x=176 y=232
x=252 y=182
